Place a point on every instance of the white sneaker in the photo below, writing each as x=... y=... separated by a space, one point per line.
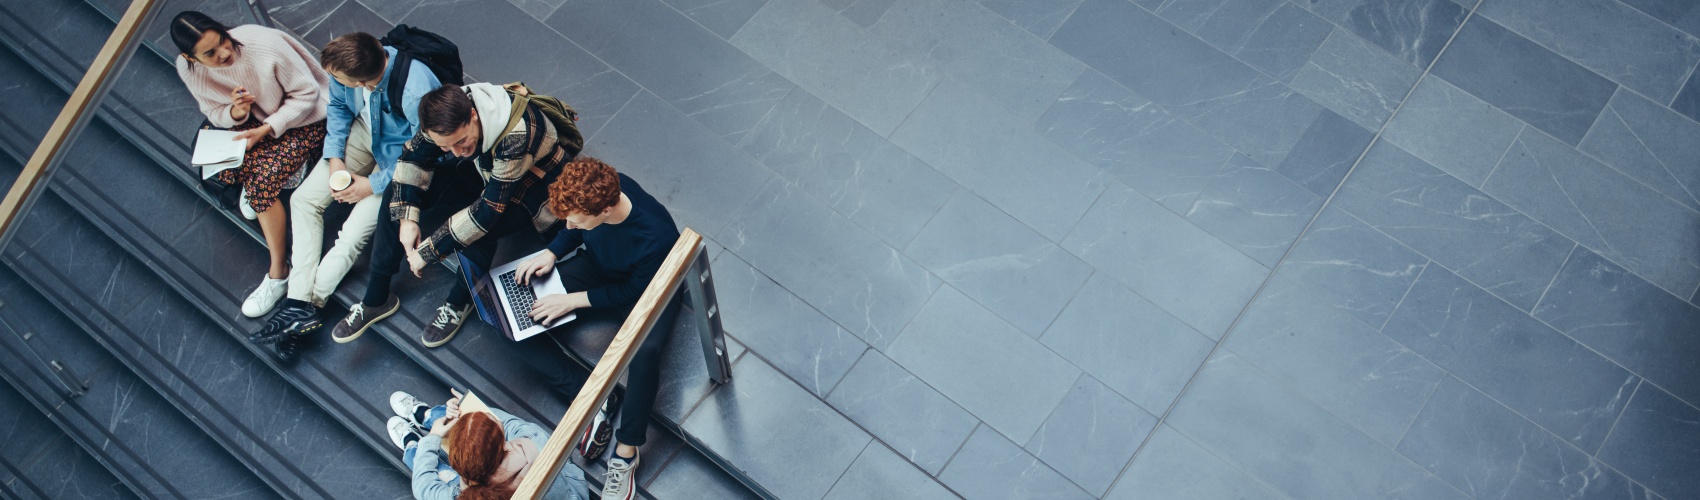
x=401 y=432
x=264 y=298
x=408 y=407
x=617 y=483
x=246 y=209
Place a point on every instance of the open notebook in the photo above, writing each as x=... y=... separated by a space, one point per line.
x=217 y=151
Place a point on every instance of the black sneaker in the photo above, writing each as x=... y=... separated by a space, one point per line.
x=294 y=318
x=448 y=321
x=287 y=349
x=359 y=319
x=601 y=429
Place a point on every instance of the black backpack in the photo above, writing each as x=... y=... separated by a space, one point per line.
x=412 y=44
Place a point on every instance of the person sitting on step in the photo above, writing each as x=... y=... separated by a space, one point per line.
x=363 y=141
x=262 y=82
x=472 y=139
x=625 y=235
x=489 y=449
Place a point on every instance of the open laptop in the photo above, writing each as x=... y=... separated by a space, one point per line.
x=505 y=303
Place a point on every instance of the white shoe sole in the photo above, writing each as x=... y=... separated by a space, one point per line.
x=269 y=307
x=362 y=330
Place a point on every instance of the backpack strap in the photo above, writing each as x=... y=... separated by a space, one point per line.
x=514 y=115
x=400 y=67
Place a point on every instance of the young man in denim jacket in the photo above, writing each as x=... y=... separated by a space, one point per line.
x=363 y=143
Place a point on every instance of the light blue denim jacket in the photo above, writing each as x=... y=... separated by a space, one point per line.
x=428 y=485
x=390 y=132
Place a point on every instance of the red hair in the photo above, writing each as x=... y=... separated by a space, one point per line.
x=586 y=186
x=476 y=450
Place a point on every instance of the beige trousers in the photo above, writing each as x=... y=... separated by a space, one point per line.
x=313 y=279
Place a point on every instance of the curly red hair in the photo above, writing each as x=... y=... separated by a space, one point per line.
x=476 y=450
x=586 y=187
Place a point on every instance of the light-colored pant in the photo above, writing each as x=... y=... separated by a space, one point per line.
x=312 y=279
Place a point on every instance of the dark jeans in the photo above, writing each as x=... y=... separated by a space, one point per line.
x=452 y=189
x=643 y=375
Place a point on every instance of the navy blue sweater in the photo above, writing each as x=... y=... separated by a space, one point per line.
x=635 y=247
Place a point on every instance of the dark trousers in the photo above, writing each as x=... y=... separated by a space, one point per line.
x=452 y=188
x=643 y=375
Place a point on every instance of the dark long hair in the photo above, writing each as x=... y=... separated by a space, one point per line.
x=188 y=28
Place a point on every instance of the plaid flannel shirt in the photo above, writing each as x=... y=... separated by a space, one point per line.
x=517 y=172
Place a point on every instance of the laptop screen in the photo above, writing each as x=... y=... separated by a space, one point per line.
x=474 y=276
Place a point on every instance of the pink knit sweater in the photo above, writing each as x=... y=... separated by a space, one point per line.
x=283 y=76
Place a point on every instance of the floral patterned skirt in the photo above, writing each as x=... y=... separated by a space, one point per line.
x=273 y=161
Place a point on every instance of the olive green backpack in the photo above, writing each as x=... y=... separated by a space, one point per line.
x=561 y=114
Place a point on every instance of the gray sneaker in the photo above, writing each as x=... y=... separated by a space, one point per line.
x=617 y=484
x=444 y=326
x=359 y=319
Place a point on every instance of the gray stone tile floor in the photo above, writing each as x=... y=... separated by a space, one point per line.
x=1130 y=249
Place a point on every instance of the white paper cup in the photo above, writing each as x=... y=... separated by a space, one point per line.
x=340 y=180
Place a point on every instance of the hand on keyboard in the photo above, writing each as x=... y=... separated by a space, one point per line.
x=538 y=266
x=550 y=307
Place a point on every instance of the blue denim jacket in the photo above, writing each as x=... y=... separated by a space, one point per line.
x=390 y=132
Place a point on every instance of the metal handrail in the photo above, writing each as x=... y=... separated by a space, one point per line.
x=75 y=115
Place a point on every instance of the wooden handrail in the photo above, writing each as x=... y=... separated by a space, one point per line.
x=76 y=113
x=636 y=328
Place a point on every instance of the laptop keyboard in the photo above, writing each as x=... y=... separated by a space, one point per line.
x=520 y=299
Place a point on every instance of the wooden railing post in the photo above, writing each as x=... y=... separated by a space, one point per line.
x=76 y=113
x=655 y=298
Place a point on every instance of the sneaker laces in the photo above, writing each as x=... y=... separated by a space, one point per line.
x=619 y=470
x=445 y=314
x=354 y=314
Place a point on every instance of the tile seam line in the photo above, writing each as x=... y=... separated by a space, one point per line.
x=1680 y=87
x=964 y=444
x=1407 y=294
x=1637 y=135
x=1619 y=419
x=713 y=388
x=846 y=471
x=1419 y=416
x=693 y=20
x=1550 y=284
x=871 y=435
x=75 y=409
x=1058 y=27
x=1560 y=439
x=592 y=137
x=666 y=461
x=1641 y=380
x=1531 y=314
x=1161 y=419
x=835 y=385
x=1655 y=19
x=1258 y=481
x=1515 y=138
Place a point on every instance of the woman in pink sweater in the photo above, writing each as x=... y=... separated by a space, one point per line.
x=262 y=82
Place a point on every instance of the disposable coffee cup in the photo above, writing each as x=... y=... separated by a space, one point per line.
x=340 y=180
